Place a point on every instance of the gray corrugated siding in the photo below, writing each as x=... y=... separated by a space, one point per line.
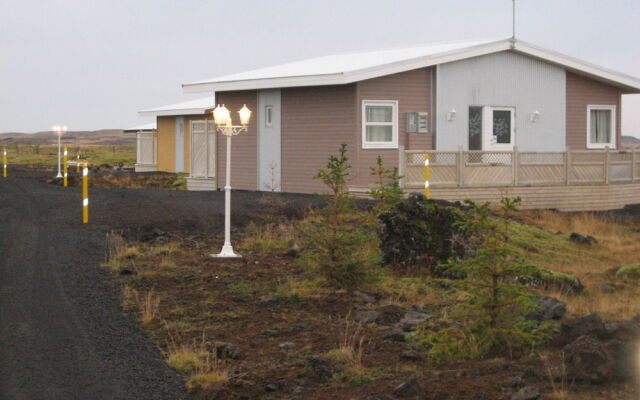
x=503 y=79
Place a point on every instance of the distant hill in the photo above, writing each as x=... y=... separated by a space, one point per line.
x=103 y=137
x=630 y=141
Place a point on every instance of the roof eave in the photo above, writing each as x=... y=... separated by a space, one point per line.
x=350 y=76
x=625 y=82
x=174 y=112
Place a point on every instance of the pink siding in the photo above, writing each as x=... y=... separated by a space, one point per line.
x=581 y=92
x=412 y=90
x=315 y=120
x=244 y=147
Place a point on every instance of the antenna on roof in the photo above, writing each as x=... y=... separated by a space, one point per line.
x=513 y=21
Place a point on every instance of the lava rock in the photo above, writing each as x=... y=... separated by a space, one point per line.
x=413 y=318
x=407 y=388
x=320 y=367
x=514 y=381
x=364 y=297
x=379 y=397
x=527 y=393
x=267 y=301
x=606 y=288
x=549 y=308
x=227 y=350
x=270 y=388
x=582 y=239
x=411 y=355
x=286 y=345
x=396 y=334
x=366 y=316
x=625 y=360
x=572 y=329
x=588 y=360
x=623 y=330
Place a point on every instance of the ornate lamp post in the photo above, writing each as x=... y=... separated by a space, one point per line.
x=222 y=119
x=59 y=131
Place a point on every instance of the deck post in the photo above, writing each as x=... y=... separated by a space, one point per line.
x=607 y=159
x=515 y=160
x=567 y=166
x=402 y=166
x=461 y=162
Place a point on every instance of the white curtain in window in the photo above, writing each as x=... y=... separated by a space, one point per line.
x=379 y=133
x=600 y=126
x=379 y=114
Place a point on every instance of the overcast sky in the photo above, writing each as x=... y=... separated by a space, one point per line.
x=93 y=64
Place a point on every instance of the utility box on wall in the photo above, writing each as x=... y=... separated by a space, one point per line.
x=417 y=122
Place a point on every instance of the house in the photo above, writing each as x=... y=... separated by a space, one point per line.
x=491 y=96
x=146 y=143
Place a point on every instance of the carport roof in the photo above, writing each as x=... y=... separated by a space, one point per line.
x=145 y=127
x=191 y=107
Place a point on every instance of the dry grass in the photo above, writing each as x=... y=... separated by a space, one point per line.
x=348 y=356
x=205 y=373
x=268 y=239
x=544 y=240
x=148 y=304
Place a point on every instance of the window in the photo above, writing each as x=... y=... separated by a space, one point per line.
x=268 y=116
x=379 y=124
x=502 y=119
x=601 y=127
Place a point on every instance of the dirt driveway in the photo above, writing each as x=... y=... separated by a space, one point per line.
x=62 y=332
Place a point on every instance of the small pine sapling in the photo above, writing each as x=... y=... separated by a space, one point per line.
x=387 y=191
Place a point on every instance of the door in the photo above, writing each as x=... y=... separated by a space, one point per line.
x=269 y=141
x=498 y=128
x=203 y=149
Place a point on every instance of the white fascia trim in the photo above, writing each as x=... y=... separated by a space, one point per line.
x=348 y=77
x=615 y=78
x=166 y=113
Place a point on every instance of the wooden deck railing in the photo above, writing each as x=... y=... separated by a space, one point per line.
x=516 y=168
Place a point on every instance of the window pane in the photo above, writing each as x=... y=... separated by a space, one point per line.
x=475 y=128
x=379 y=113
x=502 y=126
x=379 y=133
x=600 y=126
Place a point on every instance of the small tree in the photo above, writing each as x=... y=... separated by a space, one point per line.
x=491 y=320
x=339 y=243
x=388 y=191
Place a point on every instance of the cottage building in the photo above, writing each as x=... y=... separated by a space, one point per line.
x=489 y=96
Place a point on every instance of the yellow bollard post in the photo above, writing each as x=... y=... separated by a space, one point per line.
x=65 y=167
x=85 y=193
x=78 y=163
x=4 y=162
x=427 y=192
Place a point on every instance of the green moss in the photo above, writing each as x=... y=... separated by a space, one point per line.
x=629 y=271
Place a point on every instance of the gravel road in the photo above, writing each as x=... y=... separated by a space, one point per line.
x=62 y=332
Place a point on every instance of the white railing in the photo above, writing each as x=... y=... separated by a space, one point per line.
x=515 y=168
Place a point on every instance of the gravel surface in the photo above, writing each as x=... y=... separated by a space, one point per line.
x=62 y=332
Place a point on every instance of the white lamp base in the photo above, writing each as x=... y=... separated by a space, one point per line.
x=226 y=252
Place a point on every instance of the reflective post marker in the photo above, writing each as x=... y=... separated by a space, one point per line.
x=4 y=162
x=78 y=163
x=427 y=193
x=85 y=193
x=65 y=167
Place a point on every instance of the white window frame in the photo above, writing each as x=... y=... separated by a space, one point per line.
x=393 y=144
x=612 y=143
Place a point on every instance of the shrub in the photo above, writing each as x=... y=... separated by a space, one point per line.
x=338 y=241
x=491 y=320
x=418 y=233
x=629 y=271
x=388 y=191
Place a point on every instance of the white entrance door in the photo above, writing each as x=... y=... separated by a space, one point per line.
x=269 y=140
x=498 y=128
x=203 y=149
